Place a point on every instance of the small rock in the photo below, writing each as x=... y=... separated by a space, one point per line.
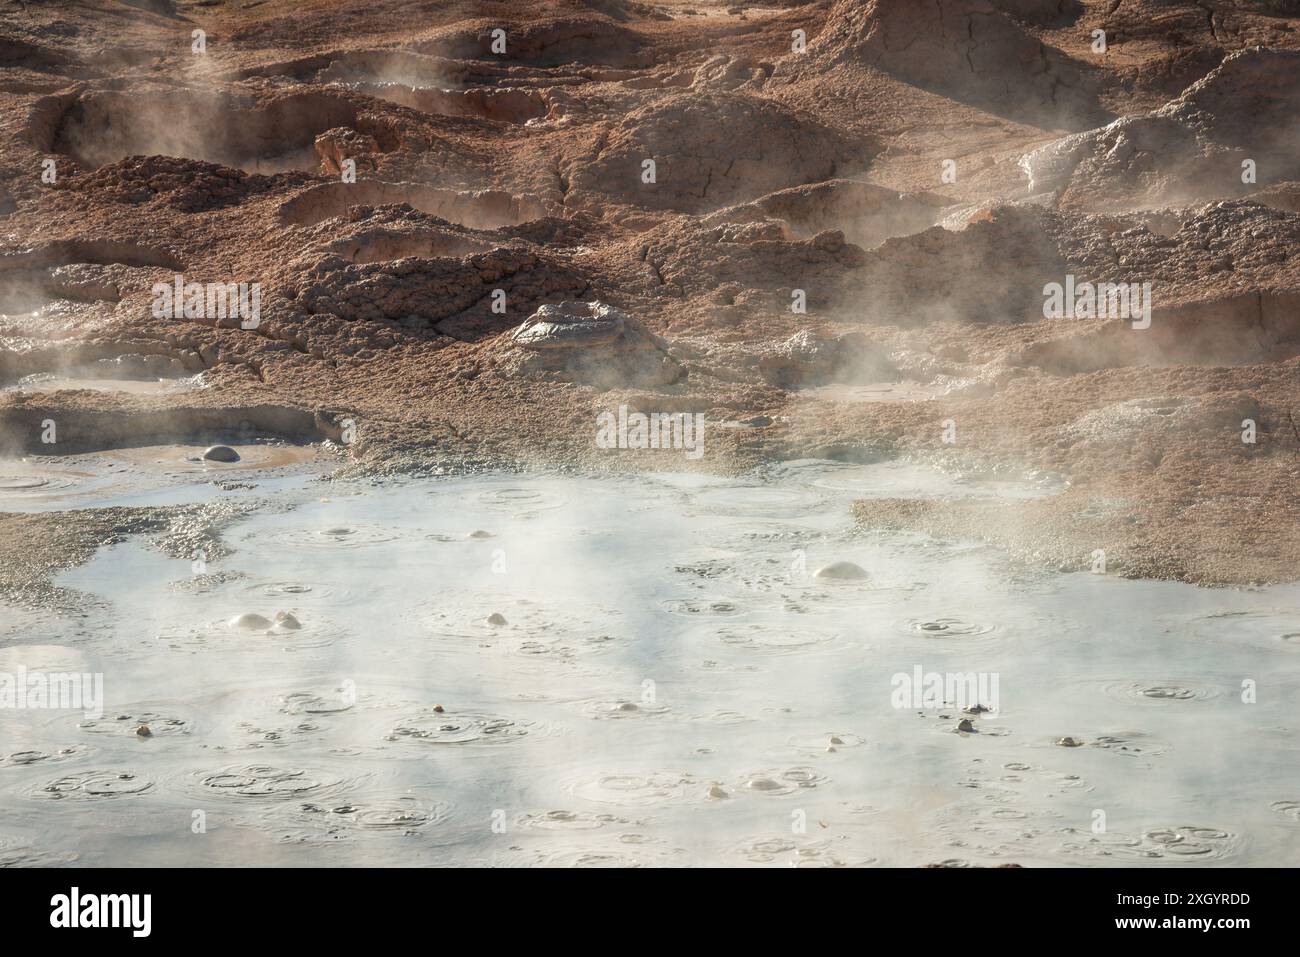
x=836 y=739
x=479 y=533
x=716 y=793
x=143 y=731
x=965 y=725
x=285 y=620
x=439 y=708
x=1069 y=742
x=496 y=618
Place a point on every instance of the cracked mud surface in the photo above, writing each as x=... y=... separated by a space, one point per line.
x=776 y=171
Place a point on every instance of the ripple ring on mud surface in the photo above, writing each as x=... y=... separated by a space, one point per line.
x=22 y=483
x=304 y=702
x=636 y=789
x=810 y=854
x=766 y=850
x=317 y=824
x=621 y=857
x=19 y=485
x=945 y=627
x=701 y=607
x=16 y=853
x=533 y=629
x=266 y=782
x=821 y=741
x=20 y=759
x=94 y=784
x=314 y=632
x=616 y=708
x=383 y=815
x=780 y=782
x=124 y=722
x=561 y=820
x=297 y=592
x=462 y=728
x=772 y=640
x=517 y=500
x=1186 y=842
x=747 y=535
x=1289 y=809
x=332 y=536
x=1157 y=691
x=1130 y=742
x=756 y=500
x=1267 y=626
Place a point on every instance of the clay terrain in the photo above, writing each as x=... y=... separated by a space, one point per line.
x=825 y=226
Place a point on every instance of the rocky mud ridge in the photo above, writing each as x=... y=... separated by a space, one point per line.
x=827 y=226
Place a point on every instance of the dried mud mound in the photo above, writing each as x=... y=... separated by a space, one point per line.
x=739 y=266
x=187 y=186
x=995 y=269
x=711 y=150
x=451 y=296
x=591 y=343
x=380 y=234
x=1190 y=150
x=968 y=50
x=18 y=54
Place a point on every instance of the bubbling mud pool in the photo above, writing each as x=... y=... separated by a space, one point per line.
x=507 y=670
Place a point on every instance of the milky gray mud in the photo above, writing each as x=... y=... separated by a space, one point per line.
x=639 y=671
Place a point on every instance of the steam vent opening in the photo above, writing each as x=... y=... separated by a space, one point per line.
x=650 y=433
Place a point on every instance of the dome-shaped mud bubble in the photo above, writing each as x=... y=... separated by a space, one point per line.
x=842 y=572
x=220 y=453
